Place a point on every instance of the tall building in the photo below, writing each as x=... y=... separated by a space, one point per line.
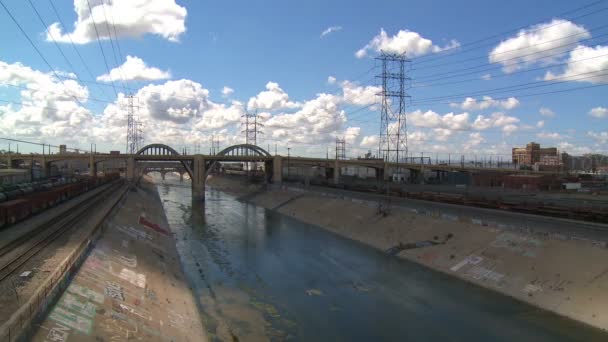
x=533 y=154
x=62 y=149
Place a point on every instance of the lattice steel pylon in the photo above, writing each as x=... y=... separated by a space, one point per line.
x=393 y=124
x=340 y=148
x=132 y=127
x=251 y=130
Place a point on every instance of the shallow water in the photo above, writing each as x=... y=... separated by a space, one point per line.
x=259 y=275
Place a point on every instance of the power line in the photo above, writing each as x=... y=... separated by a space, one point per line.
x=101 y=48
x=522 y=48
x=509 y=32
x=521 y=86
x=442 y=75
x=76 y=49
x=423 y=85
x=103 y=4
x=60 y=79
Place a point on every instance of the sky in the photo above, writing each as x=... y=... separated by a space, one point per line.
x=485 y=76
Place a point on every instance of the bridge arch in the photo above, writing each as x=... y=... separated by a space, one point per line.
x=244 y=150
x=164 y=150
x=157 y=150
x=247 y=150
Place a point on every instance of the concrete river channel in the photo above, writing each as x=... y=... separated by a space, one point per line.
x=261 y=276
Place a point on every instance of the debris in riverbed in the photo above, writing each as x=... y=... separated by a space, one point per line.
x=418 y=244
x=314 y=292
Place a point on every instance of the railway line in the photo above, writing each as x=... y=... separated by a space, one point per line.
x=22 y=248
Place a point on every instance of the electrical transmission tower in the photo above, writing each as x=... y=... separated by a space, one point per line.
x=215 y=145
x=340 y=148
x=393 y=125
x=251 y=129
x=134 y=130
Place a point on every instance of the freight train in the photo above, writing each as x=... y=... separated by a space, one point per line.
x=18 y=202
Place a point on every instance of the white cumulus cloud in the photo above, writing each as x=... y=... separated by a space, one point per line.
x=547 y=112
x=132 y=19
x=404 y=41
x=543 y=43
x=599 y=112
x=273 y=98
x=227 y=91
x=486 y=102
x=585 y=64
x=134 y=69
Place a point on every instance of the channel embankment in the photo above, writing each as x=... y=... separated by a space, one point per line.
x=130 y=286
x=561 y=270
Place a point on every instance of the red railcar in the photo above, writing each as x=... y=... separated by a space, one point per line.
x=19 y=209
x=14 y=211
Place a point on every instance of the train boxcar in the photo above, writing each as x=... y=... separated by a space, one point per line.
x=14 y=211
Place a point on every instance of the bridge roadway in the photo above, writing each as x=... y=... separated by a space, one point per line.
x=198 y=166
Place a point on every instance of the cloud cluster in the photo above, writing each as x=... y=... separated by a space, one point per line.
x=132 y=19
x=134 y=69
x=404 y=41
x=486 y=102
x=49 y=107
x=273 y=98
x=585 y=64
x=462 y=122
x=599 y=112
x=543 y=43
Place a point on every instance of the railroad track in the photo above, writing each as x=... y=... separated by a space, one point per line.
x=16 y=253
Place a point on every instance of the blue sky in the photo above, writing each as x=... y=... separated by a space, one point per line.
x=198 y=48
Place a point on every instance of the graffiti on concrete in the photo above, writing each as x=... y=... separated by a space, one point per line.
x=137 y=279
x=484 y=274
x=86 y=293
x=127 y=260
x=470 y=260
x=74 y=304
x=522 y=245
x=72 y=320
x=58 y=333
x=114 y=291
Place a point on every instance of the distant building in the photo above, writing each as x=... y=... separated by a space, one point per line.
x=63 y=149
x=533 y=154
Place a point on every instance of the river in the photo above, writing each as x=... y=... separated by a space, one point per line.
x=262 y=276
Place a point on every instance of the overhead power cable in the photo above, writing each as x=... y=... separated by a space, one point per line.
x=423 y=85
x=519 y=49
x=443 y=54
x=101 y=47
x=60 y=79
x=458 y=72
x=527 y=85
x=84 y=63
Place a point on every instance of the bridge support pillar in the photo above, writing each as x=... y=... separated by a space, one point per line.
x=46 y=168
x=9 y=162
x=181 y=177
x=131 y=169
x=198 y=178
x=336 y=172
x=92 y=167
x=162 y=175
x=277 y=170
